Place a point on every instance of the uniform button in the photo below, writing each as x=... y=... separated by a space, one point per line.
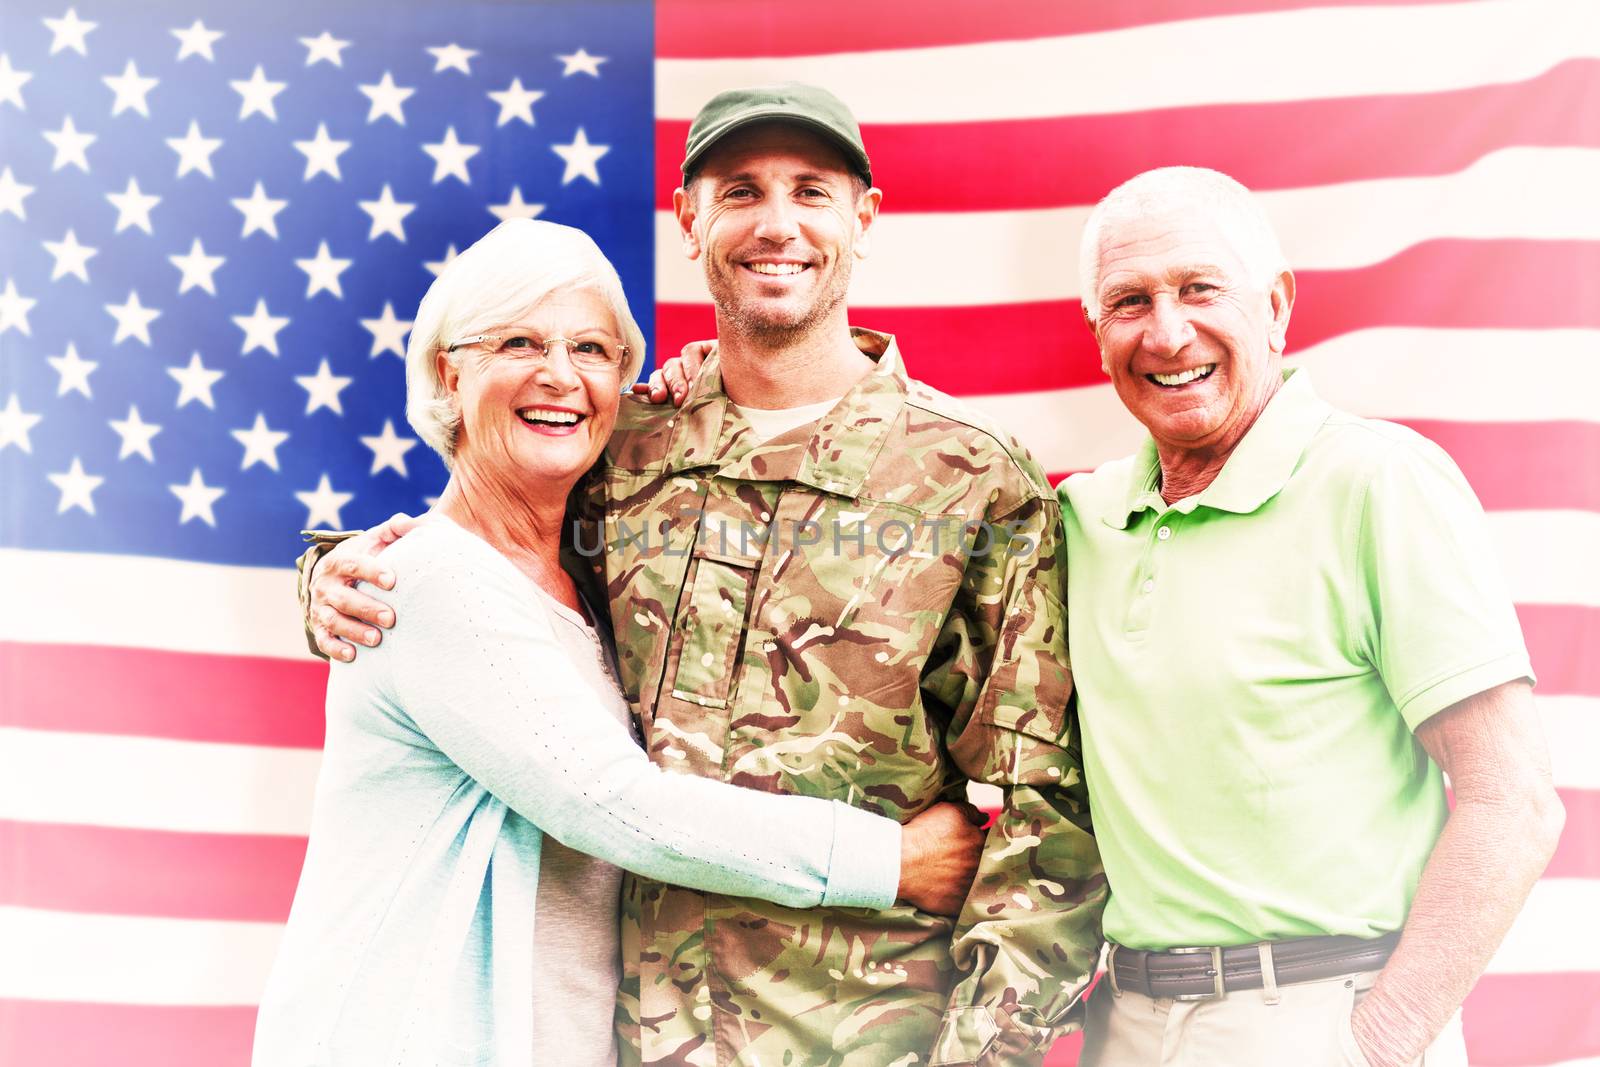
x=1165 y=533
x=766 y=516
x=1149 y=585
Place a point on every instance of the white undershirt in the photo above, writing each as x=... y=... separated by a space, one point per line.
x=767 y=424
x=775 y=422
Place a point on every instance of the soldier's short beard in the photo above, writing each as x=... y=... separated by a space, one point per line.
x=765 y=328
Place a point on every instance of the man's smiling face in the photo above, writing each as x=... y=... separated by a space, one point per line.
x=778 y=217
x=1191 y=342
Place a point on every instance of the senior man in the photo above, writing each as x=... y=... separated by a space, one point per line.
x=1285 y=623
x=826 y=578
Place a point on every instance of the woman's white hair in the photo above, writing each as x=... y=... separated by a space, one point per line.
x=496 y=281
x=1169 y=191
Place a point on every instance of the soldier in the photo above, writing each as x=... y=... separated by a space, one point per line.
x=826 y=578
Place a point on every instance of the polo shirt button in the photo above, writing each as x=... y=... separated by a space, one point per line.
x=1164 y=534
x=1149 y=585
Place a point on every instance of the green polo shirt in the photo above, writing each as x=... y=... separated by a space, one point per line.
x=1251 y=663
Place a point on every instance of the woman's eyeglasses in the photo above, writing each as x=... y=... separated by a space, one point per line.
x=595 y=352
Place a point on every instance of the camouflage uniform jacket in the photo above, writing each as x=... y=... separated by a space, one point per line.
x=866 y=608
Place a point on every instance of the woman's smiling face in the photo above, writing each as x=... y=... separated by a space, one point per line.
x=529 y=410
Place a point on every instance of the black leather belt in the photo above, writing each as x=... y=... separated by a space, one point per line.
x=1202 y=973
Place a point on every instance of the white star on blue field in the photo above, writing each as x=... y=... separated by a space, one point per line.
x=216 y=223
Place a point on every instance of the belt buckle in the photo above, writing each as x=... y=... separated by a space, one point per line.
x=1217 y=991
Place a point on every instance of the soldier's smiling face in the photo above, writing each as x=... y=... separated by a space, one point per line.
x=778 y=217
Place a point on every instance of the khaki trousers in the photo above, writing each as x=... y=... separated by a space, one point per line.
x=1309 y=1026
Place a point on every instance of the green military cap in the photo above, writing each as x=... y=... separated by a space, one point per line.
x=807 y=105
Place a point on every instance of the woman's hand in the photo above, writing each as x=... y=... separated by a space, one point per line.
x=939 y=851
x=674 y=377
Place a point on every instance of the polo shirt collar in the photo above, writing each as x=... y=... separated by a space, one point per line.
x=1258 y=469
x=834 y=454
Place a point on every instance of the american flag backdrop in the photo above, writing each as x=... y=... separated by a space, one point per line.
x=216 y=219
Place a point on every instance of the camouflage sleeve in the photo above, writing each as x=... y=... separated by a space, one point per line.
x=322 y=542
x=1029 y=935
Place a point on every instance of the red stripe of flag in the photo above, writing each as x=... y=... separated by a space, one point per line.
x=1562 y=639
x=1523 y=466
x=166 y=874
x=39 y=1032
x=1018 y=164
x=693 y=29
x=1516 y=1020
x=1455 y=284
x=1065 y=1053
x=1443 y=284
x=1578 y=853
x=189 y=696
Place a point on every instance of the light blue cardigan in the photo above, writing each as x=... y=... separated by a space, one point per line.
x=449 y=749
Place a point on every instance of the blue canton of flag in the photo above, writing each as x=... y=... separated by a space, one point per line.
x=217 y=221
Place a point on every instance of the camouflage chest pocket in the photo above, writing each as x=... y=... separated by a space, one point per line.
x=710 y=627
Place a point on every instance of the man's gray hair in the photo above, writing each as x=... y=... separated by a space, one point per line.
x=496 y=281
x=1174 y=191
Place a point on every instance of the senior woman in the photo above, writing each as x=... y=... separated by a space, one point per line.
x=480 y=785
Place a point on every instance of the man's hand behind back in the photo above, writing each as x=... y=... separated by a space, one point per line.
x=342 y=617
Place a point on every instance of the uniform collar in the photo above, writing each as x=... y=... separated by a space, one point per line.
x=833 y=455
x=1256 y=472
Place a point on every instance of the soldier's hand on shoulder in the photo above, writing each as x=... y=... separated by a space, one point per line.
x=674 y=377
x=340 y=615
